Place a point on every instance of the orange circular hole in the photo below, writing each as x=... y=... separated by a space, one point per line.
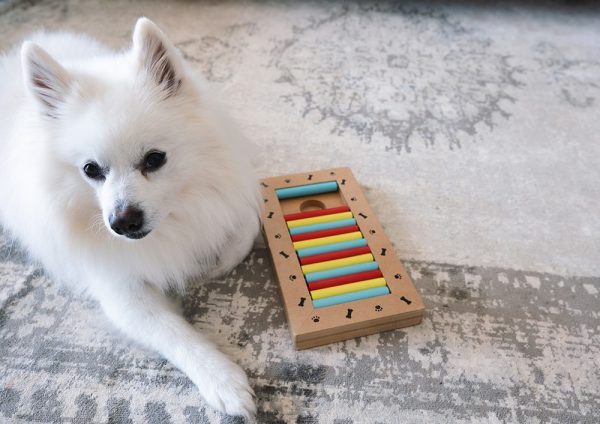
x=311 y=205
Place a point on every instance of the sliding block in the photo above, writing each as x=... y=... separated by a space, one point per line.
x=306 y=190
x=324 y=226
x=335 y=255
x=348 y=288
x=350 y=297
x=345 y=279
x=337 y=272
x=332 y=247
x=327 y=240
x=318 y=212
x=325 y=233
x=337 y=263
x=319 y=219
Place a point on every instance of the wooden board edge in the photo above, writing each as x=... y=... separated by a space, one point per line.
x=306 y=332
x=365 y=331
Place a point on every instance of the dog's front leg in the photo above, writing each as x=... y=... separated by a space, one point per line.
x=146 y=315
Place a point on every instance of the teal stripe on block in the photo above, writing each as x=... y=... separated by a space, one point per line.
x=349 y=297
x=306 y=190
x=338 y=272
x=320 y=227
x=332 y=247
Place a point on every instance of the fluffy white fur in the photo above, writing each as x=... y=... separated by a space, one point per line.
x=67 y=100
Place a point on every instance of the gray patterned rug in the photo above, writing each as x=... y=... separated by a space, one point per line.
x=474 y=132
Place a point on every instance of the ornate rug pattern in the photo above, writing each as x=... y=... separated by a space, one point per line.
x=473 y=130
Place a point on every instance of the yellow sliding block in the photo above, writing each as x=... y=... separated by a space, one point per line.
x=319 y=219
x=348 y=288
x=327 y=240
x=337 y=263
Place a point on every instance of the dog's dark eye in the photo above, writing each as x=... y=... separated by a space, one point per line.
x=92 y=170
x=154 y=160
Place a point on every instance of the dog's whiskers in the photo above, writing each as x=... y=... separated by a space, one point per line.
x=96 y=223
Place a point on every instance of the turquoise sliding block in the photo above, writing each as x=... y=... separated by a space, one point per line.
x=306 y=190
x=349 y=297
x=338 y=272
x=332 y=247
x=320 y=227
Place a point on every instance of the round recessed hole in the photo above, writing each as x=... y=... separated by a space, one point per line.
x=311 y=205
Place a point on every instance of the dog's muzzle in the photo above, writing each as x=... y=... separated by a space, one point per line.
x=128 y=221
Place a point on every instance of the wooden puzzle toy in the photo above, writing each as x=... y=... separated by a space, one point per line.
x=337 y=272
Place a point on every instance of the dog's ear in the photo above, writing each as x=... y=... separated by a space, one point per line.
x=157 y=57
x=45 y=78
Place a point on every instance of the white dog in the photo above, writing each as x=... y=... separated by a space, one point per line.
x=118 y=175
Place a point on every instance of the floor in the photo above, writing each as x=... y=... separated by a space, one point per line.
x=473 y=129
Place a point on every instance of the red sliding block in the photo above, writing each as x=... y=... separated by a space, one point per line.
x=345 y=279
x=340 y=254
x=319 y=212
x=325 y=233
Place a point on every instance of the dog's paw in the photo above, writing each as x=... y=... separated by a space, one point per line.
x=226 y=389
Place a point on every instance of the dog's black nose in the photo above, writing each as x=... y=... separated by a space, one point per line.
x=126 y=221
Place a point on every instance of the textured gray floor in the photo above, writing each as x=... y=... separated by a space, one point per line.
x=474 y=130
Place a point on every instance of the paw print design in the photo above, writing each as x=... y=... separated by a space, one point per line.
x=292 y=277
x=398 y=276
x=378 y=308
x=277 y=236
x=315 y=318
x=371 y=231
x=287 y=180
